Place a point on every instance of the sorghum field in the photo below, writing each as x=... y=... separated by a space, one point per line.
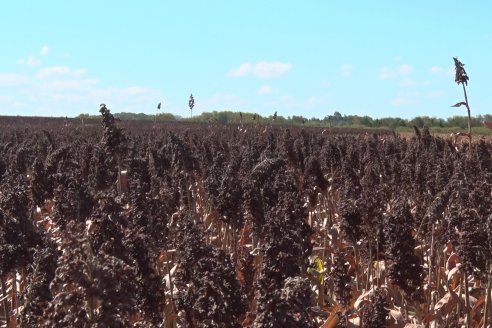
x=120 y=224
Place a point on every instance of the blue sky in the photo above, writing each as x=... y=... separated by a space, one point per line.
x=310 y=58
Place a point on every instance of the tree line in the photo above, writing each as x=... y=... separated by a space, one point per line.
x=334 y=120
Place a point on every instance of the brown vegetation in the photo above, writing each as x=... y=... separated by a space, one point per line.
x=241 y=226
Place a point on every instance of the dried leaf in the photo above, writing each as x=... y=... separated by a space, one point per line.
x=13 y=322
x=167 y=278
x=446 y=304
x=453 y=261
x=397 y=316
x=476 y=307
x=332 y=320
x=462 y=103
x=363 y=298
x=245 y=235
x=454 y=276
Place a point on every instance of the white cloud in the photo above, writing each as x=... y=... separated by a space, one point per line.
x=49 y=72
x=119 y=94
x=436 y=94
x=222 y=101
x=242 y=70
x=265 y=89
x=314 y=101
x=80 y=72
x=326 y=84
x=407 y=83
x=406 y=99
x=387 y=73
x=30 y=61
x=437 y=70
x=13 y=80
x=62 y=90
x=135 y=90
x=402 y=101
x=54 y=71
x=347 y=70
x=74 y=84
x=45 y=50
x=404 y=69
x=261 y=69
x=287 y=102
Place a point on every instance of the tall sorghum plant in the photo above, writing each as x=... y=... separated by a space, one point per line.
x=191 y=104
x=462 y=78
x=113 y=140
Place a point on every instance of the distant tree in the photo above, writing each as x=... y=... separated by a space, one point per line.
x=457 y=121
x=297 y=119
x=417 y=121
x=314 y=121
x=223 y=117
x=355 y=120
x=366 y=121
x=166 y=117
x=487 y=117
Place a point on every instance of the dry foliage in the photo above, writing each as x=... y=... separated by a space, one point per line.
x=249 y=226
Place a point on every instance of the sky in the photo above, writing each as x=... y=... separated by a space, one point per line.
x=311 y=58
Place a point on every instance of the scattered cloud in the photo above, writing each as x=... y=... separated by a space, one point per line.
x=49 y=72
x=57 y=71
x=404 y=69
x=326 y=84
x=314 y=101
x=406 y=99
x=222 y=97
x=119 y=95
x=13 y=80
x=287 y=102
x=265 y=89
x=387 y=73
x=407 y=83
x=402 y=101
x=13 y=105
x=135 y=90
x=55 y=89
x=261 y=69
x=70 y=84
x=436 y=94
x=222 y=101
x=45 y=50
x=30 y=61
x=346 y=70
x=437 y=70
x=79 y=72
